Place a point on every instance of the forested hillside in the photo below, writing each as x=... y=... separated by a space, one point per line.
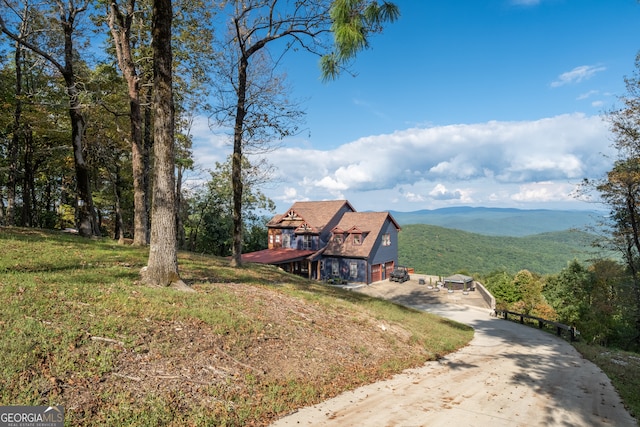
x=443 y=251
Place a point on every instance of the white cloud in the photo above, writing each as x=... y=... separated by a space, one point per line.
x=413 y=197
x=544 y=192
x=587 y=95
x=290 y=195
x=440 y=192
x=577 y=75
x=211 y=146
x=493 y=163
x=331 y=184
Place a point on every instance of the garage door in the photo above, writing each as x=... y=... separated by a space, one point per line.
x=388 y=268
x=376 y=272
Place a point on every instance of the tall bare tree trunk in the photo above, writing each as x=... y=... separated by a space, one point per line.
x=162 y=267
x=87 y=221
x=27 y=181
x=3 y=211
x=179 y=223
x=148 y=146
x=15 y=141
x=236 y=164
x=120 y=26
x=117 y=196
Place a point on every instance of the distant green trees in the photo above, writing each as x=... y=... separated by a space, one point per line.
x=209 y=217
x=521 y=292
x=437 y=250
x=589 y=297
x=556 y=276
x=503 y=288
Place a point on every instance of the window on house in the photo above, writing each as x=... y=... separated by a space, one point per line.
x=334 y=268
x=271 y=239
x=353 y=269
x=277 y=238
x=338 y=238
x=306 y=241
x=286 y=241
x=386 y=239
x=357 y=239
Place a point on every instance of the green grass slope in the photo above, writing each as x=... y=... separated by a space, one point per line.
x=249 y=345
x=443 y=251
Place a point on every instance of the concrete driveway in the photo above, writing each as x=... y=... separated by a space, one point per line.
x=509 y=375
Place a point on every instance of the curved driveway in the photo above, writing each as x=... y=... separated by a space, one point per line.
x=509 y=375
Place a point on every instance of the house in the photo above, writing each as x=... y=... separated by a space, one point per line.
x=330 y=240
x=363 y=247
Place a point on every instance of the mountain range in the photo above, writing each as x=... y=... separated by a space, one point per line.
x=502 y=221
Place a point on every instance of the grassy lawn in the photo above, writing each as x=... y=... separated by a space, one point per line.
x=249 y=345
x=622 y=368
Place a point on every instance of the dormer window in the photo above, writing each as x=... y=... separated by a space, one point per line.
x=306 y=241
x=338 y=238
x=357 y=239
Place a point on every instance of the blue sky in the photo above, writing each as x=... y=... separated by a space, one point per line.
x=476 y=102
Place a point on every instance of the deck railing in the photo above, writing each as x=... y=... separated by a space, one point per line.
x=559 y=327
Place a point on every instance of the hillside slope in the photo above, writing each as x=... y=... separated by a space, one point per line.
x=251 y=344
x=443 y=251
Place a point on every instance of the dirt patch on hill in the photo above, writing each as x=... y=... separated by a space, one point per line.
x=198 y=369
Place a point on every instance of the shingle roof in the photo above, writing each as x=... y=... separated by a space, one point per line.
x=316 y=215
x=368 y=224
x=276 y=256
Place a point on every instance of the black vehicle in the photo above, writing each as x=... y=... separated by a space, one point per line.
x=399 y=274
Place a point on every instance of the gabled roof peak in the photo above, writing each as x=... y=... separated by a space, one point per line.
x=306 y=228
x=355 y=230
x=291 y=216
x=316 y=215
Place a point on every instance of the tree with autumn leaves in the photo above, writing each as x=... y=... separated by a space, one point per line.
x=620 y=192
